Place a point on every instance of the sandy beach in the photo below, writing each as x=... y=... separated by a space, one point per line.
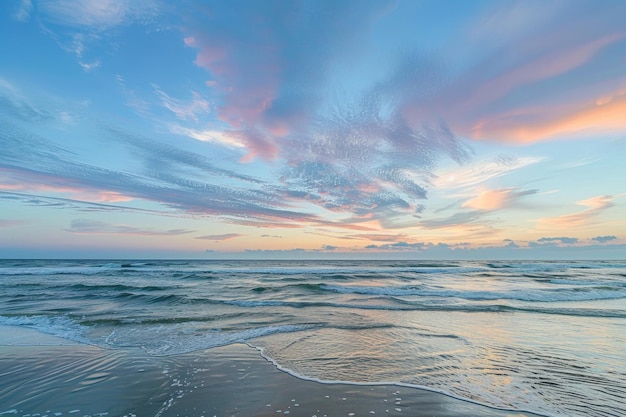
x=45 y=375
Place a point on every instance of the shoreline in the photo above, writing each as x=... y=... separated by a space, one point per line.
x=287 y=371
x=49 y=375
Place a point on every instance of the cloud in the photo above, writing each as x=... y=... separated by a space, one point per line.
x=73 y=204
x=16 y=181
x=89 y=66
x=184 y=110
x=85 y=226
x=478 y=172
x=281 y=104
x=79 y=25
x=23 y=10
x=377 y=237
x=511 y=244
x=534 y=71
x=361 y=148
x=400 y=246
x=15 y=106
x=566 y=240
x=489 y=200
x=457 y=219
x=180 y=181
x=604 y=239
x=225 y=236
x=428 y=252
x=254 y=53
x=225 y=138
x=97 y=14
x=596 y=206
x=588 y=118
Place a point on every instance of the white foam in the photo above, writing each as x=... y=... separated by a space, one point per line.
x=175 y=339
x=61 y=330
x=295 y=374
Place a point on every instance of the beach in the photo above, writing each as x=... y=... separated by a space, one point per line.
x=46 y=375
x=268 y=338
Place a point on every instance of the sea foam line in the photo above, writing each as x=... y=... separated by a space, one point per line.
x=295 y=374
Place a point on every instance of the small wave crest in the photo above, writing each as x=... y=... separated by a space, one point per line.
x=540 y=295
x=59 y=326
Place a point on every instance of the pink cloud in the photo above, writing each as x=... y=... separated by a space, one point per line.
x=103 y=197
x=596 y=205
x=257 y=142
x=550 y=79
x=268 y=61
x=247 y=71
x=21 y=181
x=605 y=115
x=549 y=65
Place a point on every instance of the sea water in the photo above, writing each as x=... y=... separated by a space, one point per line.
x=544 y=337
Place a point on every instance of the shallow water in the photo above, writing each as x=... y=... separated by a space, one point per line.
x=547 y=337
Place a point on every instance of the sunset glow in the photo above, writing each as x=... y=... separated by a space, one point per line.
x=288 y=129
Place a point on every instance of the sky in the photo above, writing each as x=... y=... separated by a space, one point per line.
x=313 y=129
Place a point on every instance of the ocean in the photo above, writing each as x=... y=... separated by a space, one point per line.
x=542 y=337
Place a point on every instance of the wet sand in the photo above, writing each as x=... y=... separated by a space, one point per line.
x=44 y=375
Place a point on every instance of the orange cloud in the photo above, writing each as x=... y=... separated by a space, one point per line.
x=490 y=200
x=605 y=115
x=549 y=65
x=596 y=205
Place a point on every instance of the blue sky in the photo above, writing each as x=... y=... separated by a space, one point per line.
x=368 y=129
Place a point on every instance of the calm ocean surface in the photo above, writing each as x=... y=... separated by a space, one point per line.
x=545 y=337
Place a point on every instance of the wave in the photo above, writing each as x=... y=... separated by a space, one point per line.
x=204 y=272
x=404 y=305
x=582 y=282
x=547 y=295
x=67 y=270
x=551 y=266
x=60 y=326
x=160 y=339
x=116 y=287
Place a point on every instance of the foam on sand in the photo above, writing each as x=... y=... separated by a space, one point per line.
x=62 y=378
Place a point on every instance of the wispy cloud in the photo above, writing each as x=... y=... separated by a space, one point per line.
x=23 y=10
x=71 y=204
x=178 y=180
x=596 y=206
x=219 y=238
x=480 y=171
x=205 y=135
x=476 y=205
x=457 y=220
x=528 y=82
x=342 y=133
x=184 y=110
x=97 y=14
x=78 y=25
x=95 y=227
